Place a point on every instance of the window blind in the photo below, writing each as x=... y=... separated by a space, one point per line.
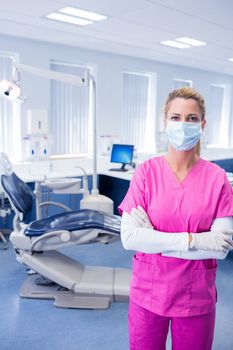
x=70 y=117
x=215 y=115
x=8 y=112
x=135 y=109
x=179 y=83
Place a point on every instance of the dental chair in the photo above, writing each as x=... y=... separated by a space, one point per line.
x=4 y=211
x=57 y=276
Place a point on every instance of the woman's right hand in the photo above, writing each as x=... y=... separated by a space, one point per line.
x=212 y=240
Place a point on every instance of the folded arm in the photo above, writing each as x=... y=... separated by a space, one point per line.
x=137 y=233
x=148 y=240
x=225 y=223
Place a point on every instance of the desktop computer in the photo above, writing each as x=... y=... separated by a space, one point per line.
x=121 y=154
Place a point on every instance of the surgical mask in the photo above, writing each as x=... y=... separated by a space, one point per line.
x=183 y=136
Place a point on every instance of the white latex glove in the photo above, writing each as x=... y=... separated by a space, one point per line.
x=213 y=240
x=140 y=217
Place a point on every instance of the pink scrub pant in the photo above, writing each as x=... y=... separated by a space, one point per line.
x=148 y=331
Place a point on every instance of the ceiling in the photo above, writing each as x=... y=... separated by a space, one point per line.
x=133 y=28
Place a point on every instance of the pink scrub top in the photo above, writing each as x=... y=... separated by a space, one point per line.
x=165 y=285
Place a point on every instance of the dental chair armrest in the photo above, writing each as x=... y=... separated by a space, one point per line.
x=64 y=236
x=60 y=205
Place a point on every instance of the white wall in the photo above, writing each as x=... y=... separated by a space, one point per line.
x=109 y=69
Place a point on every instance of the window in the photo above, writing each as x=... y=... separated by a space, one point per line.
x=9 y=114
x=138 y=122
x=70 y=118
x=178 y=83
x=218 y=113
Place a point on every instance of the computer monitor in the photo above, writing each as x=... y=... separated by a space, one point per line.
x=122 y=154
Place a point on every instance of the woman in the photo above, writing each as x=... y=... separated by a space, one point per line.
x=177 y=215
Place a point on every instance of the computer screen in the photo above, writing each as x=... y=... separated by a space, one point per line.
x=122 y=154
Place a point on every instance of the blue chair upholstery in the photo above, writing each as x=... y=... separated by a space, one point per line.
x=22 y=198
x=73 y=221
x=19 y=192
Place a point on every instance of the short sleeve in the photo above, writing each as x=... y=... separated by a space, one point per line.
x=225 y=202
x=136 y=193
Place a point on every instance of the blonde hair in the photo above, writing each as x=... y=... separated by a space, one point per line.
x=187 y=93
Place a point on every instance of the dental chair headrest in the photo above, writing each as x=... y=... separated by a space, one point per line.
x=19 y=192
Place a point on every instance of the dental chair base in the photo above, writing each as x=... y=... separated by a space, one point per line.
x=5 y=244
x=73 y=285
x=89 y=287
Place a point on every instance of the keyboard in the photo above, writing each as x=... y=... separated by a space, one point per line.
x=118 y=169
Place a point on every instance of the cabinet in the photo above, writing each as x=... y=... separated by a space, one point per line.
x=113 y=188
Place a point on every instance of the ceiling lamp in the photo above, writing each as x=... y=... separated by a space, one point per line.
x=191 y=41
x=176 y=44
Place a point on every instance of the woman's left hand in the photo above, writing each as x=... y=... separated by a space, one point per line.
x=140 y=217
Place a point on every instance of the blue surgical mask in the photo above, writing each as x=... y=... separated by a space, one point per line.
x=183 y=136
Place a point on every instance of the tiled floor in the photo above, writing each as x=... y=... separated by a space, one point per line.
x=37 y=324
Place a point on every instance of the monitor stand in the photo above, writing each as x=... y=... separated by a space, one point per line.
x=122 y=168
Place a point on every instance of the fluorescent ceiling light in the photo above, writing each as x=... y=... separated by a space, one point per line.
x=73 y=11
x=68 y=19
x=191 y=41
x=173 y=43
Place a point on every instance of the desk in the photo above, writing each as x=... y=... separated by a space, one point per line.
x=123 y=175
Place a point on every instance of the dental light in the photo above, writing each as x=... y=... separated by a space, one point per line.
x=11 y=91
